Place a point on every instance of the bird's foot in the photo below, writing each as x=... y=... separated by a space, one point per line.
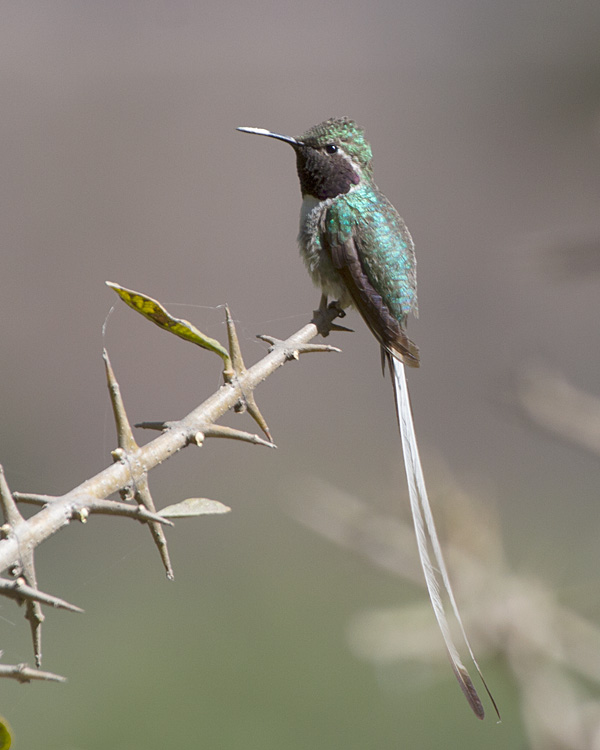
x=326 y=314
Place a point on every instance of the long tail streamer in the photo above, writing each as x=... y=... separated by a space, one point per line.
x=428 y=542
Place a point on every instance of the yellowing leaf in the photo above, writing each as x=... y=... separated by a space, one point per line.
x=194 y=506
x=5 y=735
x=154 y=311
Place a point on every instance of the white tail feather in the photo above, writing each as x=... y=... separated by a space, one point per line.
x=427 y=538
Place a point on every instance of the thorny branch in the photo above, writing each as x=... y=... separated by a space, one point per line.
x=128 y=475
x=554 y=404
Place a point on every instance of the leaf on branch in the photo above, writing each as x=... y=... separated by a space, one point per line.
x=194 y=506
x=23 y=673
x=154 y=311
x=5 y=735
x=222 y=431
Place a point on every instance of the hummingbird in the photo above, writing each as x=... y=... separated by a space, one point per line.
x=360 y=253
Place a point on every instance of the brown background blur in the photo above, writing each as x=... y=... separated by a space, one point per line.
x=120 y=161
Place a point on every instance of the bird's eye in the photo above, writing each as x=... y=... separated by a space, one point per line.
x=331 y=148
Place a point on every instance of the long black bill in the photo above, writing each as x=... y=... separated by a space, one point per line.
x=262 y=131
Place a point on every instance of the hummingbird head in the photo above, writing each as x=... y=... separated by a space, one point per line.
x=332 y=158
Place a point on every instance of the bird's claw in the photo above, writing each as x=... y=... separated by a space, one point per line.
x=326 y=314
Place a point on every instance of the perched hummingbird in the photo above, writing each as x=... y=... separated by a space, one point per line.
x=359 y=251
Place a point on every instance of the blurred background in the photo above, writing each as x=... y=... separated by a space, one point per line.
x=120 y=161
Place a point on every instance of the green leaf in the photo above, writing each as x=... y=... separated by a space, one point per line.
x=193 y=506
x=5 y=735
x=154 y=311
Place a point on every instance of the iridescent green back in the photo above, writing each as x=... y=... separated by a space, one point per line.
x=384 y=243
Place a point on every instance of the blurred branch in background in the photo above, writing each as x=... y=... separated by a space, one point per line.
x=552 y=653
x=554 y=404
x=571 y=254
x=128 y=476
